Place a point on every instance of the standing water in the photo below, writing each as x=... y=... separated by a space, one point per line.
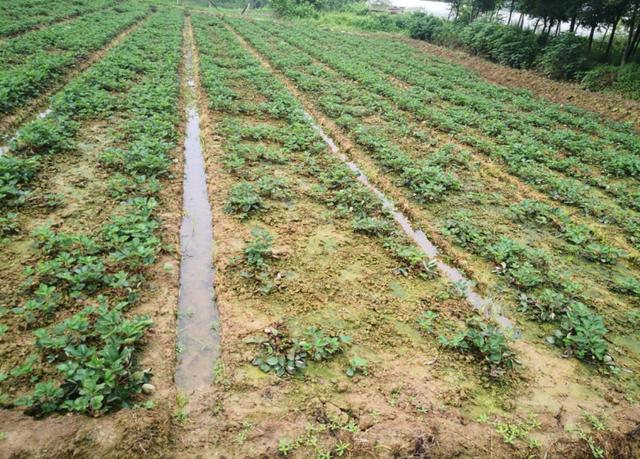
x=198 y=337
x=483 y=305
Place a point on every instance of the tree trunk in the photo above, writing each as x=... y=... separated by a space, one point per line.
x=593 y=31
x=636 y=43
x=607 y=55
x=513 y=7
x=535 y=27
x=574 y=20
x=521 y=21
x=628 y=49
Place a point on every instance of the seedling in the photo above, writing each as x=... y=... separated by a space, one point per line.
x=357 y=365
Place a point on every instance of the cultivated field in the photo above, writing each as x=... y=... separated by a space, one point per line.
x=409 y=260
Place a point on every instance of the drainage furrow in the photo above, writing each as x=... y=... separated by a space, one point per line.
x=484 y=306
x=198 y=338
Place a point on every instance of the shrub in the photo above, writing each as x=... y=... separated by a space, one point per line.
x=624 y=79
x=565 y=57
x=425 y=27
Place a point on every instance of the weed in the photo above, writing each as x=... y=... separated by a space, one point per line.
x=596 y=422
x=342 y=448
x=426 y=321
x=357 y=365
x=596 y=451
x=180 y=413
x=285 y=446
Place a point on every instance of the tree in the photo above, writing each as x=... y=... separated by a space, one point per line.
x=614 y=10
x=592 y=15
x=455 y=7
x=633 y=38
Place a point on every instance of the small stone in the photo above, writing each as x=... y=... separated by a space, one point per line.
x=336 y=414
x=148 y=389
x=342 y=387
x=367 y=421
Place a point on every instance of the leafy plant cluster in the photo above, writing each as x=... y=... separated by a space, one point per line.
x=93 y=95
x=19 y=16
x=577 y=234
x=487 y=342
x=544 y=294
x=246 y=198
x=288 y=356
x=528 y=138
x=223 y=71
x=93 y=349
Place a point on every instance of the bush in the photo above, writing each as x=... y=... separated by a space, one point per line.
x=425 y=27
x=565 y=57
x=624 y=79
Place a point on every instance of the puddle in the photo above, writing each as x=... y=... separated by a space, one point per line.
x=485 y=306
x=198 y=317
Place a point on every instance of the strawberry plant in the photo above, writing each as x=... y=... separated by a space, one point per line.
x=487 y=342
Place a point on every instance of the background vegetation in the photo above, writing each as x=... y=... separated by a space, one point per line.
x=496 y=29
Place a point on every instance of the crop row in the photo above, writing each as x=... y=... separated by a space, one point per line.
x=612 y=157
x=18 y=16
x=35 y=61
x=406 y=117
x=93 y=95
x=427 y=71
x=481 y=121
x=527 y=270
x=275 y=161
x=382 y=135
x=80 y=287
